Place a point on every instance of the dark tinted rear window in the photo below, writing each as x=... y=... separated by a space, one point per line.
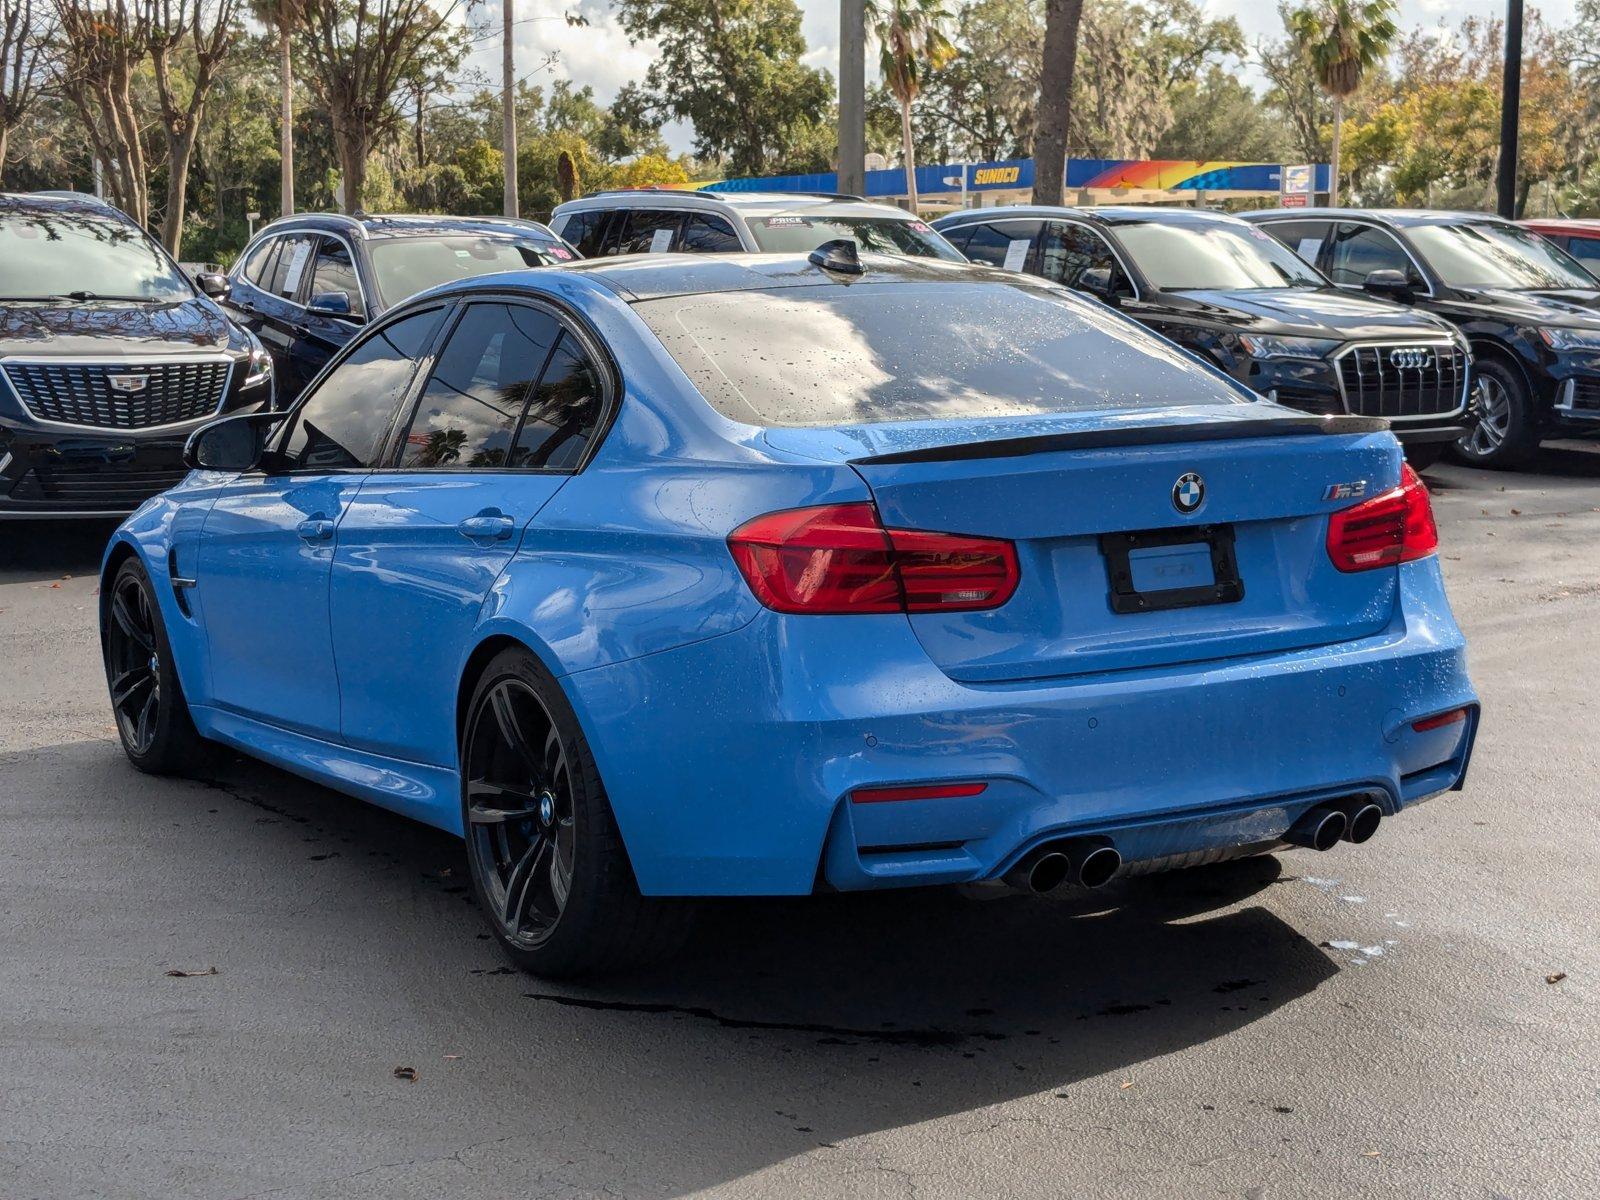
x=818 y=356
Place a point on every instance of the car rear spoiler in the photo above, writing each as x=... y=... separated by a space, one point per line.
x=1135 y=435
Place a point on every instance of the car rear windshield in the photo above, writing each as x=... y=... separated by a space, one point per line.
x=86 y=255
x=837 y=355
x=408 y=265
x=791 y=234
x=1490 y=255
x=1219 y=256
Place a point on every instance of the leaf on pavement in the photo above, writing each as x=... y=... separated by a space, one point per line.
x=409 y=1074
x=176 y=973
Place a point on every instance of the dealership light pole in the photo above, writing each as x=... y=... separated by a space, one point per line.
x=1510 y=110
x=852 y=97
x=508 y=100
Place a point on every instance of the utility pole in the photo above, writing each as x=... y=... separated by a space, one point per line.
x=508 y=100
x=852 y=97
x=1510 y=110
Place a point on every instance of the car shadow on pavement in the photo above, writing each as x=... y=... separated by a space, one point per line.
x=37 y=550
x=786 y=1028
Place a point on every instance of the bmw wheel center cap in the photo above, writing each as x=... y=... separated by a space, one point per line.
x=1188 y=493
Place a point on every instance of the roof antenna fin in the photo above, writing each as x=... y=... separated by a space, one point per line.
x=838 y=255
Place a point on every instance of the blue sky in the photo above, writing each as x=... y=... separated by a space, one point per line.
x=602 y=56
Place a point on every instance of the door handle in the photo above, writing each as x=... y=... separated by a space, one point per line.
x=315 y=529
x=487 y=526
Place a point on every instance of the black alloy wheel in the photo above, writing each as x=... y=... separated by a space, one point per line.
x=520 y=823
x=548 y=863
x=147 y=700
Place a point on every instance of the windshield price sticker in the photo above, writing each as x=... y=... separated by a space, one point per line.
x=661 y=241
x=775 y=222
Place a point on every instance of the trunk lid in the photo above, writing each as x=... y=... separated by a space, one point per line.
x=1093 y=599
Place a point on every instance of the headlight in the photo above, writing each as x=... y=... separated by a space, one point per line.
x=1563 y=337
x=260 y=365
x=1286 y=347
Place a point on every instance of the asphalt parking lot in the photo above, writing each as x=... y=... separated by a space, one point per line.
x=1419 y=1016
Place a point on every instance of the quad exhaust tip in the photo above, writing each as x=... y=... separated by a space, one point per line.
x=1079 y=862
x=1361 y=821
x=1319 y=829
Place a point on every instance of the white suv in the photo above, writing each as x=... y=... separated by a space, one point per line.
x=656 y=221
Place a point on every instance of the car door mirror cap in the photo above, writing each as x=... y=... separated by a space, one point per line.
x=235 y=443
x=333 y=304
x=1389 y=284
x=214 y=284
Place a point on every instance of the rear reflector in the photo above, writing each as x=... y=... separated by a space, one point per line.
x=1454 y=717
x=838 y=558
x=1393 y=528
x=930 y=791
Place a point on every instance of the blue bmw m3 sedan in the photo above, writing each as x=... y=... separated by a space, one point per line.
x=683 y=576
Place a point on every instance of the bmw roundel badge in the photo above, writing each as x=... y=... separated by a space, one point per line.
x=1188 y=493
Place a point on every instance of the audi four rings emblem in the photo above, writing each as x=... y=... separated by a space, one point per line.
x=1188 y=493
x=1411 y=358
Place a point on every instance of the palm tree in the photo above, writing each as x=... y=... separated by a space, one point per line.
x=284 y=17
x=1054 y=116
x=911 y=43
x=1342 y=40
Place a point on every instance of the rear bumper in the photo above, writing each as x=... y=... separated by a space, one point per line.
x=730 y=763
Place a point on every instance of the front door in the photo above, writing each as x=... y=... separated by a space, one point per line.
x=504 y=419
x=269 y=540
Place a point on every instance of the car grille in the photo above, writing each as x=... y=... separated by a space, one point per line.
x=97 y=395
x=95 y=487
x=1584 y=396
x=1396 y=381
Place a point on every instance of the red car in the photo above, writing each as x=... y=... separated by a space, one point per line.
x=1579 y=238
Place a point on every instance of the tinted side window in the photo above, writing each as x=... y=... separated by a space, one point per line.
x=342 y=422
x=258 y=265
x=959 y=236
x=1586 y=250
x=639 y=235
x=583 y=231
x=469 y=412
x=564 y=413
x=334 y=272
x=1305 y=238
x=1359 y=250
x=1007 y=244
x=289 y=269
x=708 y=235
x=1071 y=249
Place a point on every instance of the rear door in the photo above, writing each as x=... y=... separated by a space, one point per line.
x=332 y=272
x=1141 y=556
x=269 y=540
x=649 y=231
x=1010 y=245
x=505 y=417
x=281 y=313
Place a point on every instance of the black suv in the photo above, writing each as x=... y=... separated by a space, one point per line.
x=109 y=358
x=308 y=282
x=1234 y=296
x=1530 y=310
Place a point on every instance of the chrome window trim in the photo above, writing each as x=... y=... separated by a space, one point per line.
x=132 y=360
x=293 y=231
x=1392 y=344
x=1045 y=221
x=1368 y=224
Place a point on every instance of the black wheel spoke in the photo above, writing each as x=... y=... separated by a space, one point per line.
x=127 y=687
x=145 y=724
x=520 y=882
x=129 y=624
x=494 y=804
x=505 y=715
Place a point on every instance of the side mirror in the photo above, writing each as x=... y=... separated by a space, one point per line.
x=332 y=304
x=230 y=444
x=1390 y=285
x=214 y=284
x=1097 y=282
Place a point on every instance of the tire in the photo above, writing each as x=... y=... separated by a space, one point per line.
x=1506 y=434
x=549 y=868
x=1422 y=455
x=147 y=701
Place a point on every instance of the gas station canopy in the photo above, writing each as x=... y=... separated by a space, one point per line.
x=1095 y=180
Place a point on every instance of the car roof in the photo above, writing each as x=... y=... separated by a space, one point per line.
x=376 y=226
x=744 y=203
x=1109 y=214
x=1399 y=217
x=636 y=277
x=80 y=202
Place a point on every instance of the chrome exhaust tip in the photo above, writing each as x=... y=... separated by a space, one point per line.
x=1319 y=829
x=1098 y=866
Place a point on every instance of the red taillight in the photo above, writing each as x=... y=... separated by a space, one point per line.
x=1395 y=527
x=838 y=558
